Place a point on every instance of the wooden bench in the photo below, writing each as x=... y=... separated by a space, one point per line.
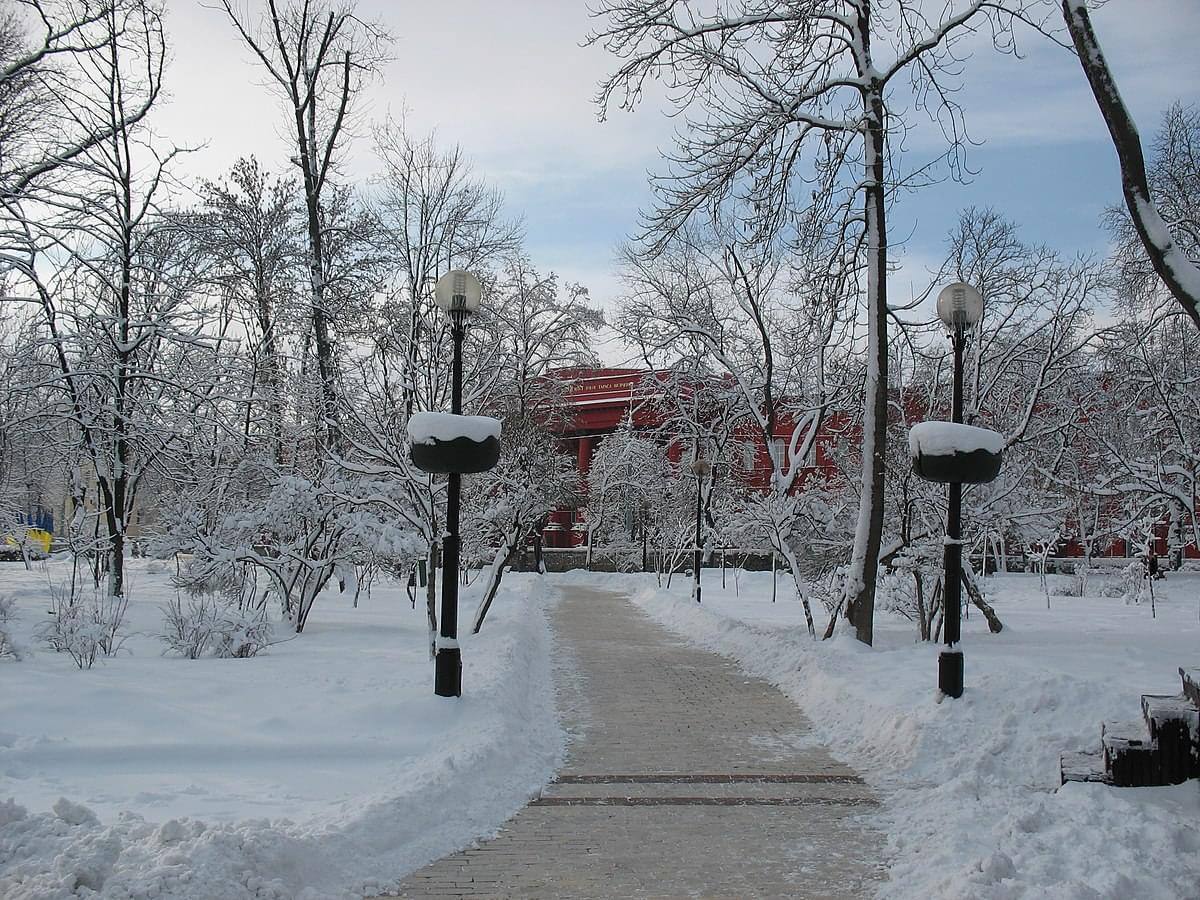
x=1163 y=748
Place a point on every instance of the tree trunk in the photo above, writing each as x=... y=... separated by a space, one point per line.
x=1178 y=273
x=864 y=561
x=503 y=557
x=922 y=615
x=995 y=626
x=305 y=138
x=431 y=598
x=791 y=559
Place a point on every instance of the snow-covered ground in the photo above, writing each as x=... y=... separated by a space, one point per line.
x=972 y=804
x=324 y=767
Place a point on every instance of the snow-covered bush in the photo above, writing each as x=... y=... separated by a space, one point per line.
x=188 y=628
x=289 y=528
x=232 y=584
x=1113 y=587
x=1083 y=572
x=84 y=627
x=1065 y=585
x=1133 y=582
x=912 y=589
x=242 y=632
x=206 y=624
x=896 y=593
x=8 y=612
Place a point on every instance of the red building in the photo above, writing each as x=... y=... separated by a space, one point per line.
x=597 y=401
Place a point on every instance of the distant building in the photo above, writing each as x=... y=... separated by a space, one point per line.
x=597 y=401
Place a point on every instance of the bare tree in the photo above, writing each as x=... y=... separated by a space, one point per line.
x=539 y=327
x=1149 y=451
x=48 y=50
x=115 y=285
x=727 y=303
x=247 y=225
x=1024 y=361
x=775 y=85
x=434 y=216
x=1173 y=176
x=318 y=54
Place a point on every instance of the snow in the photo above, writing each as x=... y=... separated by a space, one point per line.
x=971 y=801
x=324 y=768
x=427 y=427
x=1186 y=273
x=947 y=438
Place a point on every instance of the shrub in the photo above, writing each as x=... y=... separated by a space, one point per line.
x=188 y=630
x=8 y=613
x=84 y=627
x=1065 y=585
x=209 y=624
x=1133 y=582
x=242 y=633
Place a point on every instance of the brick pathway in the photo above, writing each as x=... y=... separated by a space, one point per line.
x=685 y=778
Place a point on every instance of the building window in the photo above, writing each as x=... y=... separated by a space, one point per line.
x=780 y=452
x=749 y=452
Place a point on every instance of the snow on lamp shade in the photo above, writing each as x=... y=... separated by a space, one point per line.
x=458 y=291
x=444 y=442
x=959 y=304
x=955 y=454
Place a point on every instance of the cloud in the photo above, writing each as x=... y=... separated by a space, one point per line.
x=510 y=83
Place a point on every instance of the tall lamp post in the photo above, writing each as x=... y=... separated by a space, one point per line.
x=459 y=294
x=960 y=307
x=700 y=468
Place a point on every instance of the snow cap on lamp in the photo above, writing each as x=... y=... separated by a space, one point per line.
x=458 y=291
x=959 y=304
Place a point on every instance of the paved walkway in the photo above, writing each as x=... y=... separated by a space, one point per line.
x=684 y=778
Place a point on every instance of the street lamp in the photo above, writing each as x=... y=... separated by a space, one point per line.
x=459 y=294
x=960 y=307
x=700 y=468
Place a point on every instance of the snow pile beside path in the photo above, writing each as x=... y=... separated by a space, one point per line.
x=971 y=806
x=372 y=776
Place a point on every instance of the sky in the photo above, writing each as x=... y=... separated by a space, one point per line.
x=510 y=82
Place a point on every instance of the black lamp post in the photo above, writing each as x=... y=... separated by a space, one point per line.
x=700 y=468
x=459 y=294
x=959 y=306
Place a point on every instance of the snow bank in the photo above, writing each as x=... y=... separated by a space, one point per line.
x=325 y=768
x=946 y=438
x=427 y=427
x=972 y=806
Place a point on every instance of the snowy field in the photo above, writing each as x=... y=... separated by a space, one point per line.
x=972 y=804
x=323 y=768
